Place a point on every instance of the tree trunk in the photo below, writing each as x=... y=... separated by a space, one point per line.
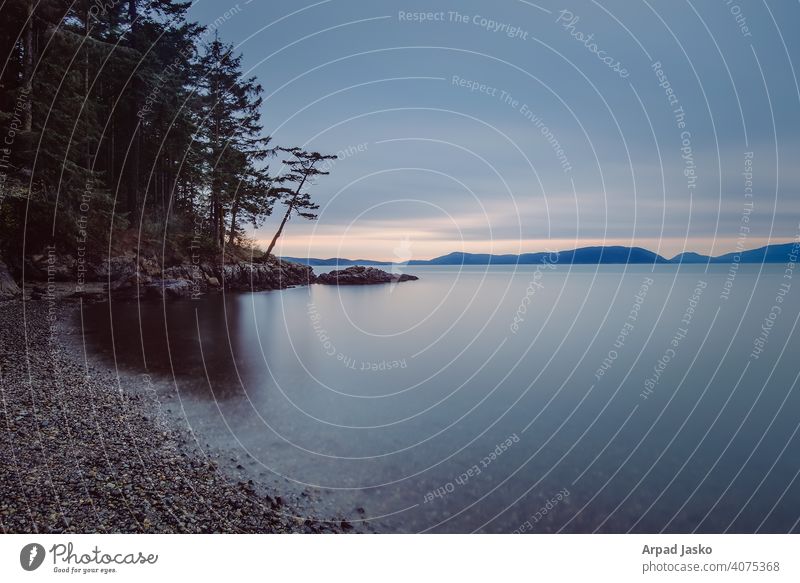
x=234 y=212
x=28 y=68
x=221 y=228
x=133 y=123
x=219 y=220
x=286 y=216
x=280 y=229
x=216 y=193
x=87 y=27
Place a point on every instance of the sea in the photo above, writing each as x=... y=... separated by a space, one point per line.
x=531 y=399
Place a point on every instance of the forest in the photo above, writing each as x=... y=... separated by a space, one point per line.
x=124 y=121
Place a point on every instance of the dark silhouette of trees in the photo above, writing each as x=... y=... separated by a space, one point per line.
x=125 y=115
x=230 y=133
x=302 y=169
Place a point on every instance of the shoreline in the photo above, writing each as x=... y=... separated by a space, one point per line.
x=87 y=449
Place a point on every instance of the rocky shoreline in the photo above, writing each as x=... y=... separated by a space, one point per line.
x=134 y=277
x=89 y=450
x=84 y=451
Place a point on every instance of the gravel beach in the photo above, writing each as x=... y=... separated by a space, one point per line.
x=81 y=452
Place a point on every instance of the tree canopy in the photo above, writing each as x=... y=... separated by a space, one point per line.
x=126 y=115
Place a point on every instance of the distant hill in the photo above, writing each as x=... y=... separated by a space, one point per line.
x=689 y=257
x=583 y=256
x=313 y=261
x=769 y=254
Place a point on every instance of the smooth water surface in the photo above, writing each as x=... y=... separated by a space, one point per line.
x=543 y=398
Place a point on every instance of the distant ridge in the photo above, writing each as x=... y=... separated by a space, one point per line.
x=313 y=261
x=778 y=253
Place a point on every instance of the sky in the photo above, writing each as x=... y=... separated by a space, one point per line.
x=512 y=126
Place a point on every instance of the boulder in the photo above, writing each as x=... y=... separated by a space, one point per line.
x=269 y=275
x=50 y=266
x=172 y=289
x=122 y=268
x=90 y=294
x=8 y=287
x=359 y=275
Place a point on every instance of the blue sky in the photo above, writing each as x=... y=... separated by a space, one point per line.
x=505 y=127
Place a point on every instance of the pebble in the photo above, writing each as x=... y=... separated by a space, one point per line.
x=80 y=457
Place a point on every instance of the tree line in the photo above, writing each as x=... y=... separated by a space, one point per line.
x=121 y=115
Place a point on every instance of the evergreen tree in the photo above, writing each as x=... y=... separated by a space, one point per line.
x=230 y=131
x=118 y=116
x=252 y=200
x=302 y=169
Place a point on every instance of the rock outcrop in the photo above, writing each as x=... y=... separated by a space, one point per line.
x=191 y=281
x=129 y=276
x=8 y=287
x=359 y=275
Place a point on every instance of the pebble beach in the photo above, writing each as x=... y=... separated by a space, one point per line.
x=82 y=451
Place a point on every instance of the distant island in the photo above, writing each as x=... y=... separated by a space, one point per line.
x=778 y=253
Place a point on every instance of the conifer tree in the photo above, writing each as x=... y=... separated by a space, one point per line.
x=302 y=170
x=121 y=116
x=230 y=131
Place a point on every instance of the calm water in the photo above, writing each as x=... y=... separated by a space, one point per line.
x=487 y=399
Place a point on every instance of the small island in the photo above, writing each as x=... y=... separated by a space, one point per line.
x=360 y=275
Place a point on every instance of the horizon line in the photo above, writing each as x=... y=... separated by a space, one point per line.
x=795 y=240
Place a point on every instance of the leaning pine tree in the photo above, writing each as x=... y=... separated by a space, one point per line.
x=302 y=171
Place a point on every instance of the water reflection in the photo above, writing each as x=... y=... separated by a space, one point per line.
x=384 y=396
